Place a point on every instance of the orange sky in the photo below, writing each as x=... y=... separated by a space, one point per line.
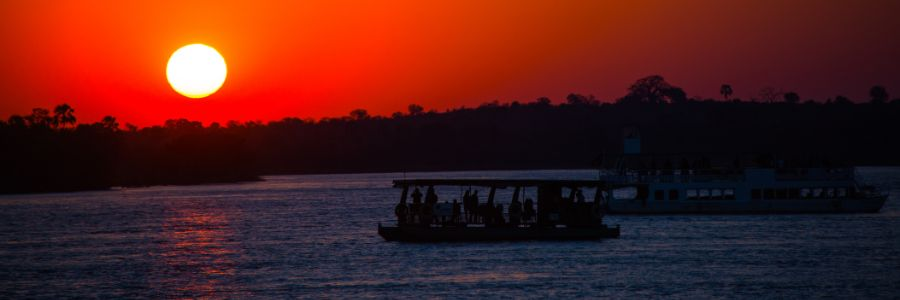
x=325 y=58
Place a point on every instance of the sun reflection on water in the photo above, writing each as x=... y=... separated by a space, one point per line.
x=199 y=254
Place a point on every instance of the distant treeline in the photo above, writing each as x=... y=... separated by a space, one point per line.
x=49 y=151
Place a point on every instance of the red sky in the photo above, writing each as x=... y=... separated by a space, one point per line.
x=325 y=58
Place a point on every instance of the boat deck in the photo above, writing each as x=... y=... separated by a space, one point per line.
x=415 y=233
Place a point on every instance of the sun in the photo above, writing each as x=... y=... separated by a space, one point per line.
x=196 y=70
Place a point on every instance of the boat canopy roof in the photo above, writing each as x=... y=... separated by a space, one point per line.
x=498 y=183
x=714 y=160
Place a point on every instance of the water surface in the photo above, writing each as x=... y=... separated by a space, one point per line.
x=315 y=236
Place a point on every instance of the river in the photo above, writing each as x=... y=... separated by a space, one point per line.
x=314 y=236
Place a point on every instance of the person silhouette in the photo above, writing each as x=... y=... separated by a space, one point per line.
x=430 y=196
x=402 y=212
x=456 y=212
x=417 y=195
x=476 y=207
x=515 y=212
x=467 y=205
x=415 y=209
x=498 y=215
x=529 y=212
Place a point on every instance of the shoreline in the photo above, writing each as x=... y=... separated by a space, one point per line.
x=258 y=178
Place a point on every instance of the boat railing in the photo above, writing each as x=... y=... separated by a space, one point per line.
x=670 y=178
x=463 y=221
x=817 y=174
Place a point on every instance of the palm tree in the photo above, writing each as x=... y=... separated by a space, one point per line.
x=63 y=115
x=726 y=91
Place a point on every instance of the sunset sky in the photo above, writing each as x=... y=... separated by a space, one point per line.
x=326 y=58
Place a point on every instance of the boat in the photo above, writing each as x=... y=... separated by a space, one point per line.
x=747 y=191
x=556 y=217
x=733 y=184
x=482 y=234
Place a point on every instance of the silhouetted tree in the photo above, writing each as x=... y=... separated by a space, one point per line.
x=109 y=123
x=725 y=90
x=878 y=94
x=791 y=97
x=650 y=89
x=576 y=99
x=842 y=100
x=232 y=124
x=63 y=116
x=493 y=136
x=359 y=114
x=17 y=121
x=415 y=109
x=579 y=99
x=769 y=94
x=676 y=95
x=39 y=118
x=188 y=125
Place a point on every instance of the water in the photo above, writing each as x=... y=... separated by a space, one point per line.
x=315 y=236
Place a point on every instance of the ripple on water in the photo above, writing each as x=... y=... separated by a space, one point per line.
x=314 y=236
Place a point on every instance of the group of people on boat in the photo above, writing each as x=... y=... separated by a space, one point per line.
x=428 y=211
x=490 y=214
x=573 y=210
x=431 y=211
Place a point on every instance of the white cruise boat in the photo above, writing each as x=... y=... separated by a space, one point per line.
x=751 y=190
x=650 y=184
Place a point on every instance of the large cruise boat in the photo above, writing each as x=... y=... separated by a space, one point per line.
x=749 y=190
x=675 y=184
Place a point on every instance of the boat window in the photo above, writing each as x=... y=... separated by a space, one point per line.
x=817 y=193
x=829 y=192
x=716 y=194
x=628 y=192
x=703 y=194
x=673 y=194
x=781 y=193
x=728 y=194
x=756 y=194
x=841 y=193
x=805 y=193
x=691 y=194
x=769 y=194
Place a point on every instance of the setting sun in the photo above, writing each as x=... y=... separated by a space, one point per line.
x=196 y=70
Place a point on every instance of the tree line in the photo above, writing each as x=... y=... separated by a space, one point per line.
x=49 y=151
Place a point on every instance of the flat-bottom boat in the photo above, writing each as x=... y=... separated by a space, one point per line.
x=414 y=233
x=554 y=219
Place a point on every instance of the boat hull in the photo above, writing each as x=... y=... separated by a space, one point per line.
x=781 y=206
x=468 y=234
